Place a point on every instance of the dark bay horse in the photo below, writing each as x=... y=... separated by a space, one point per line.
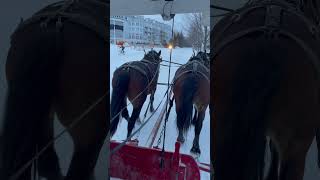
x=134 y=80
x=191 y=87
x=57 y=64
x=265 y=83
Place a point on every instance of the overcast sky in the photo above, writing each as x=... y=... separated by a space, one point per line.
x=179 y=21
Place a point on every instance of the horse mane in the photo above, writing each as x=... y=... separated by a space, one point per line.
x=199 y=58
x=193 y=58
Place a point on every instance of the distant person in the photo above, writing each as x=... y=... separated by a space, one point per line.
x=122 y=49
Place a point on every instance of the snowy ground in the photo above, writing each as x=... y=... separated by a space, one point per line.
x=180 y=55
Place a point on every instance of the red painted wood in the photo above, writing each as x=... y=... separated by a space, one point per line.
x=138 y=163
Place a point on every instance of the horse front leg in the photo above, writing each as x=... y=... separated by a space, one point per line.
x=151 y=100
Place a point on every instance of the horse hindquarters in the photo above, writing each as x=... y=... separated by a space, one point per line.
x=120 y=83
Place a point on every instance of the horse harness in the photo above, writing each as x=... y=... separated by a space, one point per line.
x=147 y=68
x=193 y=67
x=91 y=14
x=276 y=11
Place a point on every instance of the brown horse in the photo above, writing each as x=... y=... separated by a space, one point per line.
x=134 y=80
x=191 y=87
x=265 y=83
x=57 y=64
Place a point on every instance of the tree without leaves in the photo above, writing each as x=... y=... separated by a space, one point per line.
x=197 y=33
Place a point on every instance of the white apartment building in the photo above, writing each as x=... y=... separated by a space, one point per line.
x=116 y=28
x=138 y=30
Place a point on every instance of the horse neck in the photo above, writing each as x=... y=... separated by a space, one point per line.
x=195 y=59
x=150 y=61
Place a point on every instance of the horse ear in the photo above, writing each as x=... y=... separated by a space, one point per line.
x=159 y=53
x=144 y=51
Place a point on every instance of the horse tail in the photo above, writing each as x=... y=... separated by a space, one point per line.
x=241 y=139
x=318 y=145
x=31 y=86
x=184 y=113
x=120 y=88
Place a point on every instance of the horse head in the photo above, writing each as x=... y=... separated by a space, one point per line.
x=153 y=56
x=202 y=57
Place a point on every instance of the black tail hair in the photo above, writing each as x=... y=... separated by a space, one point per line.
x=241 y=142
x=30 y=91
x=121 y=80
x=184 y=114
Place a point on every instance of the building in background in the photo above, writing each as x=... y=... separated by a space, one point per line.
x=137 y=30
x=116 y=28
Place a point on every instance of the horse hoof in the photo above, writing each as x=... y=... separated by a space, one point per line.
x=151 y=109
x=139 y=121
x=180 y=139
x=195 y=150
x=126 y=118
x=193 y=122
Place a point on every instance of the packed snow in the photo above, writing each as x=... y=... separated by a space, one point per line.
x=180 y=55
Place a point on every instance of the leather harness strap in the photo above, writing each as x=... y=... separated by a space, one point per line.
x=272 y=24
x=147 y=64
x=72 y=11
x=194 y=70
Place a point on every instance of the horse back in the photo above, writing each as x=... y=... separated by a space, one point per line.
x=194 y=68
x=148 y=70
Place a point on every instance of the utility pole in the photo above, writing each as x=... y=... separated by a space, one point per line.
x=114 y=31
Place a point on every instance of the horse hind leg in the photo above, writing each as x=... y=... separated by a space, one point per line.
x=273 y=173
x=134 y=116
x=125 y=112
x=88 y=137
x=292 y=163
x=195 y=116
x=48 y=162
x=198 y=126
